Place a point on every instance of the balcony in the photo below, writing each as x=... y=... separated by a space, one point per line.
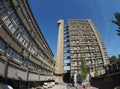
x=66 y=51
x=66 y=45
x=66 y=57
x=66 y=64
x=66 y=40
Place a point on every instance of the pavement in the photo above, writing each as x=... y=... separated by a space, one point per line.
x=68 y=86
x=59 y=86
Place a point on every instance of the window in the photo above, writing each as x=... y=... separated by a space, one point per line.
x=25 y=62
x=15 y=19
x=12 y=29
x=2 y=45
x=17 y=35
x=6 y=3
x=66 y=67
x=8 y=23
x=30 y=63
x=24 y=11
x=39 y=67
x=29 y=48
x=32 y=50
x=13 y=54
x=19 y=58
x=10 y=11
x=20 y=39
x=8 y=51
x=23 y=42
x=1 y=7
x=26 y=44
x=4 y=16
x=25 y=34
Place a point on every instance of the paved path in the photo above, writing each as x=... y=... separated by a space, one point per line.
x=59 y=86
x=66 y=86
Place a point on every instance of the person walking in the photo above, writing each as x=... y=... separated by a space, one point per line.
x=77 y=80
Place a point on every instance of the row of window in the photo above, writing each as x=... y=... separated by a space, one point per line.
x=82 y=35
x=20 y=33
x=77 y=35
x=78 y=21
x=33 y=28
x=17 y=57
x=97 y=62
x=79 y=26
x=84 y=47
x=74 y=67
x=82 y=31
x=97 y=53
x=8 y=23
x=90 y=41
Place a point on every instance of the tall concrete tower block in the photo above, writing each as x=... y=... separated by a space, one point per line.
x=83 y=39
x=60 y=50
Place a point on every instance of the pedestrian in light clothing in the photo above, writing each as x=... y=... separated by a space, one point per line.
x=77 y=80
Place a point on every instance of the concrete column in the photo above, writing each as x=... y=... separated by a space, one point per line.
x=60 y=53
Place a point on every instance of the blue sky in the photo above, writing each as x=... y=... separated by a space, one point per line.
x=48 y=12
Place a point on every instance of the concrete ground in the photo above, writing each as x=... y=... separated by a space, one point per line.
x=68 y=86
x=59 y=86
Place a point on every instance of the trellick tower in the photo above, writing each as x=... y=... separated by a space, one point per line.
x=84 y=39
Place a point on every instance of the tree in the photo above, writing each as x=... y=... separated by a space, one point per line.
x=113 y=59
x=117 y=22
x=84 y=68
x=96 y=70
x=118 y=59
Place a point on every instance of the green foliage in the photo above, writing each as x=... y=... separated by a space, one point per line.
x=113 y=59
x=118 y=57
x=84 y=68
x=96 y=71
x=117 y=22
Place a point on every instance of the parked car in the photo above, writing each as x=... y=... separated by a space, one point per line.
x=47 y=85
x=52 y=82
x=5 y=86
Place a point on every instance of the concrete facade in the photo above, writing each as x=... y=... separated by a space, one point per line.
x=60 y=50
x=24 y=53
x=80 y=38
x=85 y=41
